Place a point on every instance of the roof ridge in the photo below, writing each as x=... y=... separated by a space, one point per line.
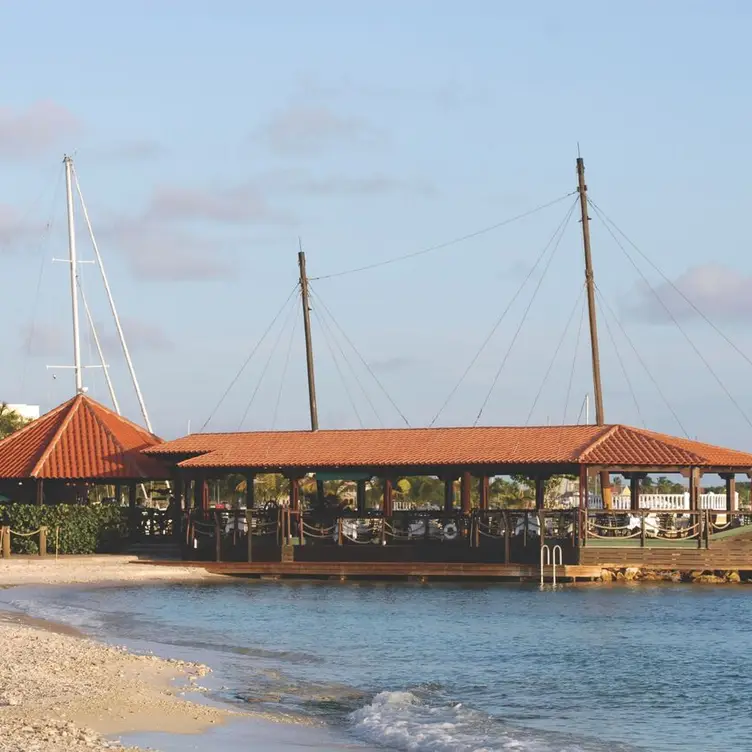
x=667 y=439
x=34 y=423
x=75 y=403
x=94 y=405
x=608 y=431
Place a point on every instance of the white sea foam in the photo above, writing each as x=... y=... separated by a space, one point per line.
x=403 y=721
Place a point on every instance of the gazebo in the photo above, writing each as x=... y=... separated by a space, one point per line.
x=79 y=443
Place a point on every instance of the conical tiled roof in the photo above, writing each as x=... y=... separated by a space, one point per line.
x=80 y=439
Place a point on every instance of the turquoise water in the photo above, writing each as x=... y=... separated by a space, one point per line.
x=454 y=668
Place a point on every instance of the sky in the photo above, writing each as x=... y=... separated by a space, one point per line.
x=211 y=139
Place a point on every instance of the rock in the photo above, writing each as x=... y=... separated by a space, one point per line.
x=607 y=575
x=620 y=576
x=649 y=575
x=632 y=573
x=733 y=576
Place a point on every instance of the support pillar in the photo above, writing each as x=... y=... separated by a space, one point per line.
x=40 y=492
x=250 y=491
x=483 y=492
x=294 y=494
x=204 y=487
x=540 y=493
x=465 y=492
x=388 y=505
x=731 y=505
x=360 y=495
x=634 y=491
x=694 y=489
x=132 y=511
x=448 y=494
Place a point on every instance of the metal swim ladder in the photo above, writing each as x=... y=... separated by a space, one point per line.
x=548 y=554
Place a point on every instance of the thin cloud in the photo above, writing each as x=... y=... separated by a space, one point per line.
x=13 y=229
x=140 y=335
x=310 y=129
x=35 y=130
x=344 y=185
x=44 y=339
x=717 y=291
x=139 y=150
x=234 y=205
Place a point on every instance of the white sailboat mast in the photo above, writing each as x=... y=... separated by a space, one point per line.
x=73 y=276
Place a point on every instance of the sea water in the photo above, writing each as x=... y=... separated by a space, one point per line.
x=451 y=668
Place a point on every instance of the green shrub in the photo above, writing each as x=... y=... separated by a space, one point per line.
x=82 y=529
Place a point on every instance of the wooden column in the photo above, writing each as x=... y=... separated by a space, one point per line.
x=360 y=495
x=483 y=491
x=118 y=493
x=204 y=483
x=388 y=505
x=694 y=489
x=294 y=494
x=465 y=492
x=250 y=495
x=40 y=492
x=132 y=511
x=634 y=491
x=448 y=494
x=731 y=505
x=540 y=493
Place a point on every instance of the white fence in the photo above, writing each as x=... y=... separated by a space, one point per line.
x=666 y=502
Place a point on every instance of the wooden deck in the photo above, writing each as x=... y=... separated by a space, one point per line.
x=390 y=570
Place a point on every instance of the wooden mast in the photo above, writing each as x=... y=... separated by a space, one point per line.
x=590 y=289
x=308 y=345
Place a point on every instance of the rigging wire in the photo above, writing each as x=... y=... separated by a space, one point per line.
x=362 y=359
x=673 y=318
x=562 y=229
x=336 y=365
x=636 y=352
x=322 y=320
x=268 y=361
x=250 y=357
x=501 y=318
x=608 y=221
x=284 y=372
x=41 y=249
x=574 y=364
x=555 y=355
x=447 y=243
x=624 y=370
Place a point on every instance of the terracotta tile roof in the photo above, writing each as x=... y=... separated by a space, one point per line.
x=80 y=439
x=615 y=445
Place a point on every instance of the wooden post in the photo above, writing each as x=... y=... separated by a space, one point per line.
x=483 y=490
x=5 y=535
x=731 y=505
x=634 y=491
x=205 y=501
x=250 y=491
x=118 y=493
x=217 y=536
x=294 y=494
x=507 y=537
x=40 y=492
x=388 y=505
x=361 y=496
x=540 y=493
x=132 y=511
x=694 y=483
x=465 y=492
x=43 y=541
x=340 y=531
x=448 y=494
x=249 y=523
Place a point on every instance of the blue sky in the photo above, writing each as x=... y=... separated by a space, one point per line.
x=209 y=137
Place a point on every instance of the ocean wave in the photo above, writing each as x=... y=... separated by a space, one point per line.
x=405 y=721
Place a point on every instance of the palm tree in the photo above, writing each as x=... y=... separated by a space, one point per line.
x=10 y=420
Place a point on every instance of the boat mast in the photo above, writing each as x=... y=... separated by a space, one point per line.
x=73 y=276
x=308 y=344
x=590 y=289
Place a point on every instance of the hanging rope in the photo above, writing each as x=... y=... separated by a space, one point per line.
x=574 y=364
x=336 y=365
x=623 y=368
x=555 y=355
x=562 y=229
x=641 y=361
x=361 y=358
x=268 y=361
x=284 y=372
x=249 y=358
x=673 y=318
x=501 y=318
x=448 y=243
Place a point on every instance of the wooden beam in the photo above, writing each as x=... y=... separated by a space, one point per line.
x=465 y=492
x=483 y=491
x=40 y=492
x=388 y=504
x=540 y=493
x=731 y=505
x=250 y=491
x=634 y=491
x=449 y=493
x=361 y=496
x=694 y=488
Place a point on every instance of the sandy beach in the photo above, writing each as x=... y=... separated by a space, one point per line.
x=62 y=691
